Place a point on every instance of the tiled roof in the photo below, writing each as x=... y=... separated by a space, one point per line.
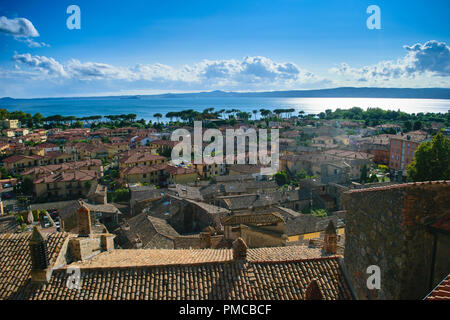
x=400 y=186
x=168 y=143
x=77 y=175
x=308 y=223
x=442 y=291
x=8 y=224
x=152 y=232
x=252 y=219
x=16 y=158
x=62 y=167
x=179 y=170
x=141 y=157
x=15 y=261
x=156 y=257
x=143 y=169
x=228 y=280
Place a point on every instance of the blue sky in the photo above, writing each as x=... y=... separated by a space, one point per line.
x=142 y=47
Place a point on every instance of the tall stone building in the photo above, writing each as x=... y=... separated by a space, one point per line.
x=404 y=230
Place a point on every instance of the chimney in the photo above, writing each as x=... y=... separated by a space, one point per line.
x=205 y=240
x=84 y=222
x=40 y=271
x=239 y=249
x=330 y=241
x=30 y=218
x=313 y=291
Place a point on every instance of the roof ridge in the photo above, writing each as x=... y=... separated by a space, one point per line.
x=400 y=186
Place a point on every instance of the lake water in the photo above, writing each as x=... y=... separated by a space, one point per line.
x=146 y=107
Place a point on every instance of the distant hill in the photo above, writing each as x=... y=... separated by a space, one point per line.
x=343 y=92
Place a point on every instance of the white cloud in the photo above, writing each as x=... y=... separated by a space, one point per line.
x=96 y=71
x=423 y=65
x=256 y=72
x=18 y=27
x=431 y=59
x=33 y=44
x=47 y=66
x=22 y=30
x=433 y=56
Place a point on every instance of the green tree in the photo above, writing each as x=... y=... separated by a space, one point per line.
x=431 y=160
x=319 y=213
x=417 y=125
x=281 y=178
x=158 y=116
x=27 y=186
x=407 y=125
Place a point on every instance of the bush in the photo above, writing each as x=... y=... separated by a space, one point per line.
x=319 y=213
x=119 y=195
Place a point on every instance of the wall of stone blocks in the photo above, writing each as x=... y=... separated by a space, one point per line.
x=386 y=227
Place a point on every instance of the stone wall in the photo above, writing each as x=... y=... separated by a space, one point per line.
x=255 y=238
x=389 y=227
x=82 y=248
x=197 y=241
x=192 y=219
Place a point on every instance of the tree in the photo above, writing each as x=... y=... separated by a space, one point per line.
x=319 y=213
x=417 y=125
x=431 y=160
x=27 y=186
x=373 y=178
x=407 y=125
x=158 y=116
x=281 y=178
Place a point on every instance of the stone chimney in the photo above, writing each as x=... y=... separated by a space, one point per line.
x=239 y=249
x=205 y=240
x=84 y=222
x=138 y=242
x=30 y=218
x=330 y=241
x=40 y=264
x=313 y=291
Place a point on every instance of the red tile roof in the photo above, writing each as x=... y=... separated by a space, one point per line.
x=172 y=274
x=442 y=291
x=179 y=170
x=15 y=260
x=140 y=157
x=77 y=175
x=16 y=158
x=143 y=169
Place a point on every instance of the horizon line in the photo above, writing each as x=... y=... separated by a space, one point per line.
x=240 y=92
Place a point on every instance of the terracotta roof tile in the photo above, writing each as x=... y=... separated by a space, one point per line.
x=15 y=260
x=442 y=291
